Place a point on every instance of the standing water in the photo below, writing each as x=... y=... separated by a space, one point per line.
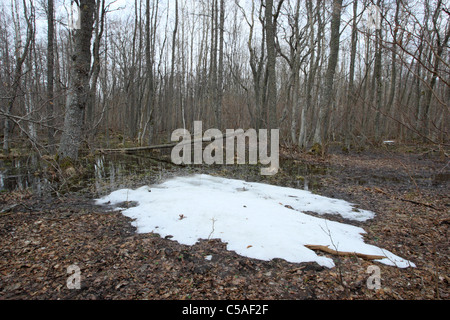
x=96 y=175
x=101 y=174
x=21 y=174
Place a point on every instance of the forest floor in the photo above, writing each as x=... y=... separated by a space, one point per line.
x=41 y=236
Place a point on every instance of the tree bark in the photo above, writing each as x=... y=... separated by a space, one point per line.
x=351 y=97
x=271 y=60
x=377 y=83
x=219 y=101
x=50 y=72
x=172 y=98
x=313 y=66
x=392 y=90
x=213 y=62
x=325 y=105
x=77 y=97
x=95 y=70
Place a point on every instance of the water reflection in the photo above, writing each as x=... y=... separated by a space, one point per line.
x=105 y=173
x=111 y=172
x=22 y=174
x=102 y=174
x=305 y=176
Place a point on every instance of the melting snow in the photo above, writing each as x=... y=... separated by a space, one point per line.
x=256 y=220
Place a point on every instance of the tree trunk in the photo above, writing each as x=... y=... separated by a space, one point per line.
x=392 y=89
x=50 y=67
x=147 y=117
x=220 y=67
x=95 y=71
x=295 y=69
x=313 y=66
x=327 y=99
x=172 y=98
x=78 y=93
x=271 y=60
x=377 y=83
x=213 y=62
x=351 y=97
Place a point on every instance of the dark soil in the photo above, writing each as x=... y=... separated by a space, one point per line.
x=41 y=236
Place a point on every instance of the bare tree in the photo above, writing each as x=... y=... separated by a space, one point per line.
x=77 y=97
x=440 y=44
x=100 y=16
x=158 y=67
x=50 y=74
x=271 y=60
x=351 y=98
x=21 y=55
x=220 y=73
x=325 y=105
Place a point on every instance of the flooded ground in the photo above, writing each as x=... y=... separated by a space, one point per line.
x=95 y=176
x=48 y=221
x=103 y=173
x=21 y=174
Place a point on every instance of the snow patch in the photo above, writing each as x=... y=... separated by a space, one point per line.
x=256 y=220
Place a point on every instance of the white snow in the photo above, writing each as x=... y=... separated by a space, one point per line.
x=256 y=220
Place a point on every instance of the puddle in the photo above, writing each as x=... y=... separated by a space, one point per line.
x=110 y=172
x=23 y=173
x=106 y=173
x=305 y=176
x=99 y=175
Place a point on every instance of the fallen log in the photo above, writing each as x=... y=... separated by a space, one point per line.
x=343 y=253
x=159 y=146
x=168 y=145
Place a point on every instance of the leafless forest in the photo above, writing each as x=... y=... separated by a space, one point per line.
x=320 y=71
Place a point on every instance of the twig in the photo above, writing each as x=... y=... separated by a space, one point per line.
x=407 y=200
x=212 y=231
x=338 y=265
